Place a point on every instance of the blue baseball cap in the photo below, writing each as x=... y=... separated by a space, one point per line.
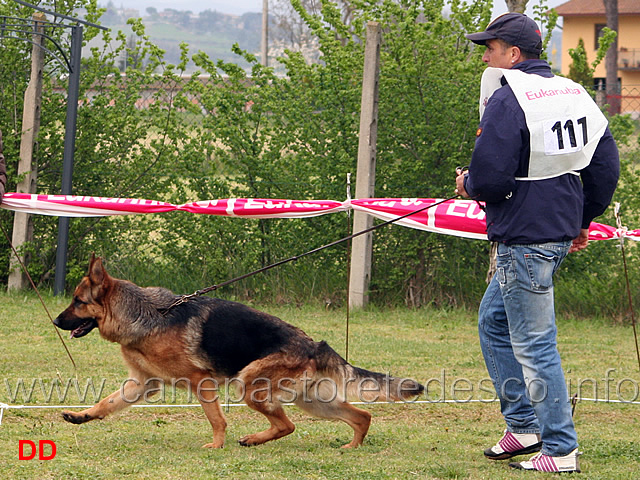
x=514 y=28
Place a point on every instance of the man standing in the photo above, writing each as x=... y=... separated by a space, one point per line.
x=545 y=164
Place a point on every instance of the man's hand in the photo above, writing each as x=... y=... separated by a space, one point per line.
x=581 y=241
x=460 y=183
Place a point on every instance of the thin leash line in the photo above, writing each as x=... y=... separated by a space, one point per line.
x=185 y=298
x=626 y=277
x=24 y=269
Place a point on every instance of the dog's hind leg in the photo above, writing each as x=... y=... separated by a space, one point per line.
x=338 y=409
x=280 y=424
x=259 y=396
x=132 y=391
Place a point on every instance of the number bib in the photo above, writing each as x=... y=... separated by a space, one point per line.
x=565 y=124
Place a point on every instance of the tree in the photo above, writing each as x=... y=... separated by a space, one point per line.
x=209 y=21
x=110 y=15
x=611 y=59
x=15 y=66
x=227 y=131
x=288 y=31
x=518 y=6
x=580 y=71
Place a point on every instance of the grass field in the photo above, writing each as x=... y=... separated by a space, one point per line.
x=434 y=439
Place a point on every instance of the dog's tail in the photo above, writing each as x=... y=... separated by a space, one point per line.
x=349 y=382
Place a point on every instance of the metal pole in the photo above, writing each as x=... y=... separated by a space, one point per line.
x=264 y=47
x=69 y=148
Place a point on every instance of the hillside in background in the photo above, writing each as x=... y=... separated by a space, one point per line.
x=214 y=33
x=209 y=31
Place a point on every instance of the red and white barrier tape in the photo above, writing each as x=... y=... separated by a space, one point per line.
x=462 y=218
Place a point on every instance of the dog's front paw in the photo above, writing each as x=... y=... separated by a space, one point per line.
x=75 y=418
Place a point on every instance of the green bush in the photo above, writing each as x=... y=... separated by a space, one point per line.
x=226 y=132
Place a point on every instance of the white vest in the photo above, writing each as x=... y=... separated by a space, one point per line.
x=565 y=124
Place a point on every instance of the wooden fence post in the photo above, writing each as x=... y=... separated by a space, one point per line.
x=27 y=168
x=360 y=274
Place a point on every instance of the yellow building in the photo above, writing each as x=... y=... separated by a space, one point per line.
x=585 y=19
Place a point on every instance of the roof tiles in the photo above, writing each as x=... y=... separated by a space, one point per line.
x=596 y=7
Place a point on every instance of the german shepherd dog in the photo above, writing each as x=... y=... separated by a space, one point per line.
x=207 y=341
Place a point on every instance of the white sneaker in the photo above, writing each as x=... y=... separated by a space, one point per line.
x=512 y=444
x=545 y=463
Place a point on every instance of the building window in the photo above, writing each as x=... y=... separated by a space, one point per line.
x=598 y=33
x=600 y=84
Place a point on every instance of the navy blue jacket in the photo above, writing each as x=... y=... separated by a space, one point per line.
x=529 y=212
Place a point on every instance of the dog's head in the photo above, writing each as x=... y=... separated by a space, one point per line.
x=87 y=309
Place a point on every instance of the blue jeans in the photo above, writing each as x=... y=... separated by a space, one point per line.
x=516 y=321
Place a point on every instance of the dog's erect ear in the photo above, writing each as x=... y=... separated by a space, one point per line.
x=97 y=272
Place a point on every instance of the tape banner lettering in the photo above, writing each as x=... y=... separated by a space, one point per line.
x=458 y=217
